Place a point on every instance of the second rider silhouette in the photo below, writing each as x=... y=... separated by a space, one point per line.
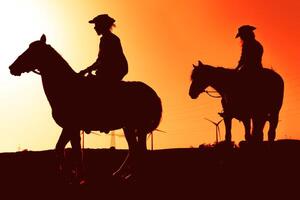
x=111 y=65
x=252 y=50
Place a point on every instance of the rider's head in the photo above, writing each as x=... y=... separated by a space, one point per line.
x=245 y=32
x=103 y=23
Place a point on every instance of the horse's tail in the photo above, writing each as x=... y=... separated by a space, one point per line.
x=277 y=88
x=276 y=93
x=278 y=85
x=154 y=115
x=281 y=91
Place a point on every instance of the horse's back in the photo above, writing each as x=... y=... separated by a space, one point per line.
x=273 y=76
x=272 y=86
x=266 y=91
x=119 y=104
x=256 y=92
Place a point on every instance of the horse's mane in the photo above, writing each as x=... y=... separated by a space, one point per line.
x=221 y=70
x=230 y=70
x=224 y=69
x=58 y=59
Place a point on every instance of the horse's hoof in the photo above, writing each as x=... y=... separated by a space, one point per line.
x=75 y=180
x=128 y=176
x=82 y=181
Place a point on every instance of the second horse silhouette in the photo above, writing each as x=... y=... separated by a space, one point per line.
x=79 y=105
x=259 y=101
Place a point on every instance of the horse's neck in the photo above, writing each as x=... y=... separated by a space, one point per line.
x=58 y=78
x=219 y=80
x=54 y=64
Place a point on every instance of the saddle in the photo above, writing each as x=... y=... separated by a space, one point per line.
x=101 y=102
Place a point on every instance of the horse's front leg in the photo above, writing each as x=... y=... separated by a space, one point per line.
x=64 y=138
x=72 y=135
x=76 y=153
x=227 y=121
x=247 y=126
x=227 y=116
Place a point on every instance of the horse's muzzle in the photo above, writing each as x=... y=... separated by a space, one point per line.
x=193 y=96
x=13 y=71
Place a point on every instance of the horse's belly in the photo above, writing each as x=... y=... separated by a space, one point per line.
x=90 y=118
x=101 y=121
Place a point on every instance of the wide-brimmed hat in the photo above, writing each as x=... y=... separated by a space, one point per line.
x=244 y=30
x=103 y=19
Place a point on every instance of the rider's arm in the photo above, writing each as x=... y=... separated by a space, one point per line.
x=242 y=59
x=96 y=64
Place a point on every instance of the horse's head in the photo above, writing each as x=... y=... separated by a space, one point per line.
x=199 y=80
x=30 y=59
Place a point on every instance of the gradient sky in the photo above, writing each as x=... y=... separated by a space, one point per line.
x=161 y=40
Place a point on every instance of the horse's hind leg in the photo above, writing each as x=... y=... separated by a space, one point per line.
x=258 y=126
x=273 y=125
x=142 y=137
x=142 y=151
x=247 y=126
x=132 y=146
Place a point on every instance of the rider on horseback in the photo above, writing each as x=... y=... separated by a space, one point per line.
x=111 y=64
x=248 y=67
x=252 y=50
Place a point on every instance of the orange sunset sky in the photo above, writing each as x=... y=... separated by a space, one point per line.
x=161 y=40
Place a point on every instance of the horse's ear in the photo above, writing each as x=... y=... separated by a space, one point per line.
x=194 y=66
x=43 y=38
x=200 y=63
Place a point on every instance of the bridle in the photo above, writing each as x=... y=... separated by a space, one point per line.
x=208 y=92
x=36 y=71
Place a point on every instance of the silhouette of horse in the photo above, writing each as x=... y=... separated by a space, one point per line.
x=256 y=96
x=79 y=103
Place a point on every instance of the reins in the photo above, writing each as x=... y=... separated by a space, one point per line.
x=209 y=94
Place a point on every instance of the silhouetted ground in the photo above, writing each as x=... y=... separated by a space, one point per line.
x=208 y=171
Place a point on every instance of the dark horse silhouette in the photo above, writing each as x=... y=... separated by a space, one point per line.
x=80 y=104
x=259 y=99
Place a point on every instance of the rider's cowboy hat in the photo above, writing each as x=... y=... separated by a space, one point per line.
x=244 y=30
x=104 y=20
